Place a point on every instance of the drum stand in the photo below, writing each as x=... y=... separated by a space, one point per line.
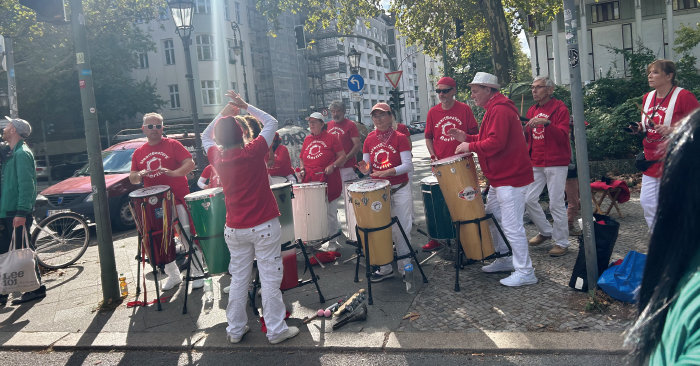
x=437 y=251
x=319 y=242
x=460 y=250
x=297 y=244
x=190 y=255
x=139 y=258
x=366 y=231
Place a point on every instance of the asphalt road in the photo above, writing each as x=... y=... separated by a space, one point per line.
x=270 y=357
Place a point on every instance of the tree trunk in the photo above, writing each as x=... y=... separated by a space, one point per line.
x=501 y=45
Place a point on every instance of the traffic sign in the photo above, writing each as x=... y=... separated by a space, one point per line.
x=394 y=77
x=356 y=97
x=356 y=83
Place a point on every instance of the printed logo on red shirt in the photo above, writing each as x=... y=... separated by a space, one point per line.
x=445 y=124
x=153 y=162
x=336 y=131
x=380 y=154
x=313 y=151
x=538 y=131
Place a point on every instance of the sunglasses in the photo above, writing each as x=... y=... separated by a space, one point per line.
x=157 y=127
x=443 y=91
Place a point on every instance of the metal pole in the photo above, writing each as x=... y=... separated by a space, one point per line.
x=11 y=84
x=359 y=112
x=245 y=78
x=537 y=58
x=108 y=268
x=46 y=151
x=198 y=158
x=584 y=178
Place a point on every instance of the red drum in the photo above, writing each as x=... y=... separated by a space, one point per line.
x=154 y=212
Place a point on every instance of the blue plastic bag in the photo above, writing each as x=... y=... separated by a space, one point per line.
x=622 y=282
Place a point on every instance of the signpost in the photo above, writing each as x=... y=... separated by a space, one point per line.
x=356 y=83
x=394 y=78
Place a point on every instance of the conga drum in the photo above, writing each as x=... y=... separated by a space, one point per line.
x=371 y=200
x=437 y=215
x=350 y=221
x=460 y=188
x=208 y=210
x=310 y=207
x=282 y=189
x=154 y=212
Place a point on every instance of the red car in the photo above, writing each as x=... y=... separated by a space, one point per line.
x=75 y=193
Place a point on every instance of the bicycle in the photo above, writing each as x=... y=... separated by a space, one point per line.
x=60 y=240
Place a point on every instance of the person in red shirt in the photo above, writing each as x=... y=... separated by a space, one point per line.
x=663 y=108
x=279 y=163
x=165 y=161
x=449 y=114
x=547 y=132
x=386 y=154
x=209 y=178
x=349 y=137
x=252 y=228
x=321 y=157
x=504 y=160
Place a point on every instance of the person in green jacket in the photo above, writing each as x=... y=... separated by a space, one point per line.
x=667 y=331
x=17 y=194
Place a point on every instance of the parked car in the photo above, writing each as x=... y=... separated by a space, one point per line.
x=42 y=172
x=75 y=193
x=68 y=167
x=416 y=127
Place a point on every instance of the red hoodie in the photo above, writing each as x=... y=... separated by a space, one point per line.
x=501 y=145
x=549 y=145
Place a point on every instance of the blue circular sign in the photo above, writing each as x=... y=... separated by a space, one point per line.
x=356 y=83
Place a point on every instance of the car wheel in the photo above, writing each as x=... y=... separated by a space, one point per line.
x=122 y=218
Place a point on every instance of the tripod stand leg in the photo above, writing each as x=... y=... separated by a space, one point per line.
x=458 y=262
x=368 y=269
x=155 y=273
x=413 y=252
x=138 y=267
x=358 y=251
x=503 y=235
x=299 y=244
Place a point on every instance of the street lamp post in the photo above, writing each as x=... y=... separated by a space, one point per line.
x=354 y=61
x=181 y=11
x=238 y=50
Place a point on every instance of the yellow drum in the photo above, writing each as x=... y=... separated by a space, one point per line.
x=460 y=187
x=371 y=201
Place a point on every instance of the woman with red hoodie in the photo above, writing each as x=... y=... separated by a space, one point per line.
x=505 y=162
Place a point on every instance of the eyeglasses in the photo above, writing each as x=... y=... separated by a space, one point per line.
x=157 y=127
x=535 y=87
x=443 y=91
x=379 y=114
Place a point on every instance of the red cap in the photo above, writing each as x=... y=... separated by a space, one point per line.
x=381 y=107
x=446 y=80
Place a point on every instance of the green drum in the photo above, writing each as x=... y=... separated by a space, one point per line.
x=208 y=211
x=437 y=216
x=282 y=189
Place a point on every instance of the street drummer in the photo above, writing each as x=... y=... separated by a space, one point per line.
x=505 y=162
x=386 y=154
x=252 y=228
x=165 y=161
x=279 y=162
x=449 y=114
x=322 y=156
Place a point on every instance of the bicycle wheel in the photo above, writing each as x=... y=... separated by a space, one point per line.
x=59 y=240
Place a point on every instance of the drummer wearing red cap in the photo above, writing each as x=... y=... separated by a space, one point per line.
x=449 y=114
x=386 y=154
x=252 y=225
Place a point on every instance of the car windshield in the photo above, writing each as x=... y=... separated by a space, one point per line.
x=113 y=162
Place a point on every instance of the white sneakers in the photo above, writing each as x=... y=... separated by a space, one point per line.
x=235 y=340
x=503 y=264
x=519 y=279
x=174 y=279
x=291 y=332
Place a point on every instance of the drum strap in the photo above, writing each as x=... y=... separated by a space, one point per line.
x=394 y=190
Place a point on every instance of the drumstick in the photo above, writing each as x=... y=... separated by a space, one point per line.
x=651 y=121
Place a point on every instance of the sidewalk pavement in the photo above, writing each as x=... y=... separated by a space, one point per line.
x=483 y=317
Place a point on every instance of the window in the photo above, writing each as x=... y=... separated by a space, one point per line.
x=371 y=74
x=205 y=47
x=550 y=56
x=142 y=59
x=373 y=89
x=202 y=7
x=231 y=51
x=663 y=30
x=685 y=4
x=210 y=92
x=605 y=12
x=169 y=51
x=378 y=60
x=627 y=44
x=227 y=14
x=590 y=54
x=381 y=90
x=237 y=8
x=365 y=104
x=174 y=96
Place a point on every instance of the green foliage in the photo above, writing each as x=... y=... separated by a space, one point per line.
x=686 y=73
x=687 y=38
x=605 y=135
x=608 y=93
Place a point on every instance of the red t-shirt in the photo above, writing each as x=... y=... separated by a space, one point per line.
x=282 y=165
x=249 y=199
x=386 y=155
x=345 y=131
x=549 y=145
x=440 y=121
x=210 y=174
x=317 y=153
x=168 y=153
x=654 y=143
x=400 y=127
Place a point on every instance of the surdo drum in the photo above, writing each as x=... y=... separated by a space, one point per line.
x=371 y=201
x=153 y=209
x=282 y=189
x=310 y=207
x=437 y=215
x=460 y=187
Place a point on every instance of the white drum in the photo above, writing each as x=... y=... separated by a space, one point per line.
x=282 y=189
x=350 y=221
x=310 y=207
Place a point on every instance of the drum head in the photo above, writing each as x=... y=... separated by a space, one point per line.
x=279 y=182
x=196 y=196
x=449 y=160
x=312 y=185
x=429 y=180
x=149 y=191
x=369 y=185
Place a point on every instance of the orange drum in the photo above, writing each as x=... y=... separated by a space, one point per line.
x=154 y=210
x=371 y=201
x=460 y=187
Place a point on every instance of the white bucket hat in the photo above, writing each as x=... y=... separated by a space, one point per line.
x=485 y=79
x=316 y=115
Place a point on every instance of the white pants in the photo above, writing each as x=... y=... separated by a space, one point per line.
x=333 y=226
x=402 y=208
x=260 y=242
x=649 y=198
x=184 y=218
x=555 y=179
x=507 y=204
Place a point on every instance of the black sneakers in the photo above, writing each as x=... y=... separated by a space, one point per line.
x=37 y=294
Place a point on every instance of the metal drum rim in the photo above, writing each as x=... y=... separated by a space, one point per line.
x=157 y=189
x=433 y=180
x=277 y=186
x=196 y=196
x=309 y=185
x=451 y=159
x=379 y=184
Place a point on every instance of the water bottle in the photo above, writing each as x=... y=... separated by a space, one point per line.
x=408 y=278
x=208 y=290
x=124 y=290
